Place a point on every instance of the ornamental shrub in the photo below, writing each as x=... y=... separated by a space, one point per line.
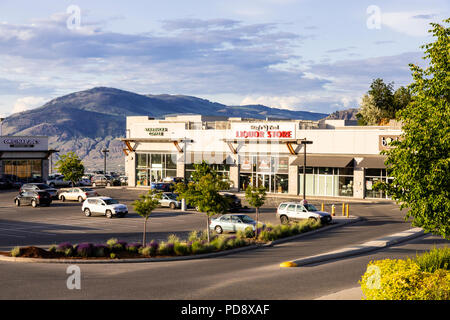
x=193 y=236
x=434 y=259
x=52 y=248
x=100 y=250
x=16 y=252
x=197 y=247
x=145 y=251
x=404 y=280
x=84 y=250
x=173 y=238
x=180 y=248
x=63 y=247
x=111 y=242
x=133 y=247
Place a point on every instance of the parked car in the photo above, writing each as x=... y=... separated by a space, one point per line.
x=103 y=180
x=161 y=186
x=232 y=223
x=77 y=194
x=13 y=180
x=234 y=202
x=34 y=198
x=58 y=181
x=104 y=205
x=123 y=180
x=169 y=199
x=288 y=211
x=173 y=180
x=40 y=186
x=5 y=184
x=85 y=182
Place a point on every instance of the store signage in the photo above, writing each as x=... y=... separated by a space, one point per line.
x=156 y=131
x=20 y=142
x=385 y=141
x=268 y=131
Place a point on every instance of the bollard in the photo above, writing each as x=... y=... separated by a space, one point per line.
x=333 y=210
x=323 y=207
x=183 y=205
x=347 y=210
x=343 y=209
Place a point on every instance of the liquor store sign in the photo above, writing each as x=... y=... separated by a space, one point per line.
x=263 y=131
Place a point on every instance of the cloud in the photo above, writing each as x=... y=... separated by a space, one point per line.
x=27 y=103
x=412 y=23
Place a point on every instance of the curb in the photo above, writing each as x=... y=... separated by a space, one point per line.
x=180 y=258
x=369 y=246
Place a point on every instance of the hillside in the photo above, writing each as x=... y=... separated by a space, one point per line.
x=87 y=121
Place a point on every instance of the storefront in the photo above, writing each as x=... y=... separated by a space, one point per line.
x=24 y=159
x=343 y=159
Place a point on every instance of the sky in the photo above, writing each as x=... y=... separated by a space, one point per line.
x=318 y=56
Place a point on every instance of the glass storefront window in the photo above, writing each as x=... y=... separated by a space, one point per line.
x=171 y=161
x=23 y=170
x=142 y=177
x=281 y=183
x=327 y=181
x=141 y=160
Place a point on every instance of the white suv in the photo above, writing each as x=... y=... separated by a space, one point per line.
x=288 y=211
x=104 y=205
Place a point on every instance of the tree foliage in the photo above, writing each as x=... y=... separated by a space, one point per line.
x=381 y=102
x=71 y=167
x=203 y=192
x=145 y=206
x=256 y=196
x=420 y=160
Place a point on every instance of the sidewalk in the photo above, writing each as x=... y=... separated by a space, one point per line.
x=347 y=294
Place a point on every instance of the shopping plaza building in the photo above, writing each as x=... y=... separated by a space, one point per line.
x=342 y=159
x=24 y=158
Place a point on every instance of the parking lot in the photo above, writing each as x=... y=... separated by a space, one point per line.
x=64 y=221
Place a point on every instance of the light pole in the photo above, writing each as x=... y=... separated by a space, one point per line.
x=304 y=142
x=105 y=151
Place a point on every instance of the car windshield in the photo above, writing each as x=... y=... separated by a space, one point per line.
x=42 y=186
x=310 y=207
x=111 y=201
x=172 y=196
x=86 y=189
x=246 y=219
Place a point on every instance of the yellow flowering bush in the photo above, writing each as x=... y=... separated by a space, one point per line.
x=392 y=279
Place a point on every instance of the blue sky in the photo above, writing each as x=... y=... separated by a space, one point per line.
x=296 y=54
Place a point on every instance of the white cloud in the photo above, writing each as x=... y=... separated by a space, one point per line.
x=412 y=23
x=27 y=103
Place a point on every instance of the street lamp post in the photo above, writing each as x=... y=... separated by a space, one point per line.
x=304 y=142
x=105 y=151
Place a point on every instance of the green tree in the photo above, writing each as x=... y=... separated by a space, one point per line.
x=145 y=206
x=256 y=196
x=71 y=167
x=203 y=192
x=420 y=160
x=381 y=103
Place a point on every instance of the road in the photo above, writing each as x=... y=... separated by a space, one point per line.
x=248 y=275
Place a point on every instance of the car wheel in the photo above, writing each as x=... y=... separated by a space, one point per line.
x=173 y=206
x=312 y=219
x=108 y=214
x=33 y=203
x=80 y=199
x=17 y=202
x=63 y=198
x=284 y=220
x=218 y=229
x=87 y=212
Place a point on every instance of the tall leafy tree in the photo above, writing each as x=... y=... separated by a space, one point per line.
x=203 y=192
x=420 y=160
x=145 y=206
x=256 y=196
x=71 y=167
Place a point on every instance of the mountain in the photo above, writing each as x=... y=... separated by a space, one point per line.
x=87 y=121
x=348 y=114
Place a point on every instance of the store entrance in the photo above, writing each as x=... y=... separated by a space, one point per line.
x=265 y=180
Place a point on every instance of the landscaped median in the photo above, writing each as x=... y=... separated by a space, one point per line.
x=195 y=246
